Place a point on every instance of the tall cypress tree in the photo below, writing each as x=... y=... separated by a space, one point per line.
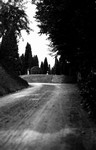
x=45 y=65
x=57 y=66
x=12 y=20
x=28 y=57
x=42 y=67
x=35 y=61
x=9 y=51
x=22 y=64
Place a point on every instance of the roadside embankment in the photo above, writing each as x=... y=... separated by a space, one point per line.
x=43 y=78
x=10 y=83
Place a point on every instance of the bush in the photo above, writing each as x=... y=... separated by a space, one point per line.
x=88 y=92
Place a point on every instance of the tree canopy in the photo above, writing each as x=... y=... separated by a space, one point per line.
x=13 y=19
x=28 y=57
x=45 y=66
x=71 y=27
x=35 y=60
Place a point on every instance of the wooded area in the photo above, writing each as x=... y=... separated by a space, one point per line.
x=71 y=28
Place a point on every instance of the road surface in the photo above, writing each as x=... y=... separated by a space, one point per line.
x=45 y=117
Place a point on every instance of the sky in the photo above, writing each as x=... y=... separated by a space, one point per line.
x=39 y=44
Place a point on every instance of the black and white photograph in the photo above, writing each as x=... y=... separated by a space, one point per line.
x=47 y=74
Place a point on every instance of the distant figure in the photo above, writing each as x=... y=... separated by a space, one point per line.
x=27 y=71
x=47 y=72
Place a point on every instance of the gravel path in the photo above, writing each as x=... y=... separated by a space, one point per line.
x=45 y=117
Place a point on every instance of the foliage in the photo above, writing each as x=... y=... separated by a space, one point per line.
x=57 y=68
x=45 y=66
x=49 y=69
x=28 y=57
x=13 y=19
x=9 y=50
x=22 y=64
x=27 y=61
x=42 y=67
x=88 y=91
x=71 y=29
x=35 y=61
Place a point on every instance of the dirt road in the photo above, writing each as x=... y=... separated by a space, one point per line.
x=45 y=117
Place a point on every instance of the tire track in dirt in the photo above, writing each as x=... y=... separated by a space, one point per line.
x=48 y=121
x=41 y=131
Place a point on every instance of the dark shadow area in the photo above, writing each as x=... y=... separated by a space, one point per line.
x=69 y=142
x=73 y=142
x=69 y=79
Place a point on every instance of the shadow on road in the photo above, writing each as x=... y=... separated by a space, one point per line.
x=66 y=139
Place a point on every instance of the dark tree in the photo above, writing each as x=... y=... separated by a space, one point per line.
x=35 y=61
x=12 y=20
x=28 y=57
x=49 y=69
x=12 y=17
x=71 y=27
x=42 y=67
x=9 y=51
x=45 y=65
x=22 y=64
x=57 y=66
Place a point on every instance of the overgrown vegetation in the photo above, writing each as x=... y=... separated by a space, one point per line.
x=71 y=28
x=88 y=92
x=13 y=19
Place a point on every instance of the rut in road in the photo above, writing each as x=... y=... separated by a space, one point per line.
x=47 y=118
